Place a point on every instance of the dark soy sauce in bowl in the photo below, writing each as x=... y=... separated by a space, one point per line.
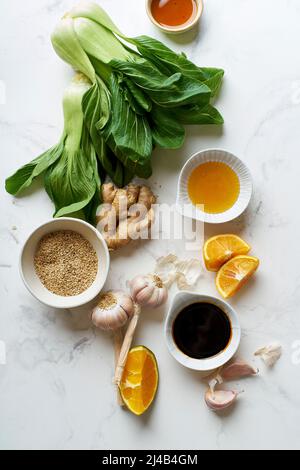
x=202 y=330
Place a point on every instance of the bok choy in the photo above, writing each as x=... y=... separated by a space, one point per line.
x=129 y=96
x=70 y=168
x=151 y=91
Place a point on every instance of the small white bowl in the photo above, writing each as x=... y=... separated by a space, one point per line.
x=185 y=206
x=176 y=29
x=182 y=300
x=31 y=279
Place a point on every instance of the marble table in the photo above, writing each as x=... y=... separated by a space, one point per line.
x=55 y=388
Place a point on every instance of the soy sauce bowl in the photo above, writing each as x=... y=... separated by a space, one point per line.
x=180 y=28
x=184 y=299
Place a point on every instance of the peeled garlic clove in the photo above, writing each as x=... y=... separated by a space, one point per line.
x=113 y=310
x=148 y=291
x=186 y=272
x=217 y=400
x=270 y=354
x=237 y=369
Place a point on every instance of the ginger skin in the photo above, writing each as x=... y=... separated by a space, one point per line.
x=128 y=224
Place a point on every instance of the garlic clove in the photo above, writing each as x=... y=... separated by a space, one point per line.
x=125 y=301
x=217 y=400
x=237 y=369
x=270 y=354
x=162 y=297
x=166 y=269
x=186 y=272
x=153 y=300
x=144 y=296
x=136 y=285
x=214 y=382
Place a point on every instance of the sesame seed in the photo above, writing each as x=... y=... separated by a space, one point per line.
x=66 y=263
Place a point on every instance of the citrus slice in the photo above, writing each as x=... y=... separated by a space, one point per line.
x=221 y=248
x=234 y=274
x=140 y=380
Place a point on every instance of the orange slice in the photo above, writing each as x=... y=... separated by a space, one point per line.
x=140 y=380
x=218 y=250
x=234 y=274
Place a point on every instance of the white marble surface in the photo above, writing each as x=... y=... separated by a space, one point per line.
x=55 y=390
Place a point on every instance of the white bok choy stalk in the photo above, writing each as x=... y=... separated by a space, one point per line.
x=69 y=168
x=96 y=103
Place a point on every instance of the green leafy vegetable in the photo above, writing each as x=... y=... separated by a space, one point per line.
x=96 y=110
x=70 y=169
x=195 y=114
x=24 y=177
x=140 y=98
x=128 y=133
x=167 y=60
x=137 y=94
x=167 y=132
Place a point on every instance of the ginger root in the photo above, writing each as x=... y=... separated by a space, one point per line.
x=126 y=214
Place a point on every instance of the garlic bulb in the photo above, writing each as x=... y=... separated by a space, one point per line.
x=113 y=310
x=148 y=290
x=218 y=400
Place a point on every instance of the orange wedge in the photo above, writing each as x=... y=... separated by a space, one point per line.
x=140 y=380
x=234 y=274
x=218 y=250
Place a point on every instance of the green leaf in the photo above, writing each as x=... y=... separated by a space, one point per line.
x=127 y=133
x=167 y=132
x=72 y=181
x=169 y=61
x=96 y=110
x=143 y=170
x=140 y=97
x=90 y=210
x=24 y=176
x=190 y=115
x=214 y=79
x=172 y=90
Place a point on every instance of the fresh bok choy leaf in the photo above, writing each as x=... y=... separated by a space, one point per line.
x=70 y=169
x=150 y=90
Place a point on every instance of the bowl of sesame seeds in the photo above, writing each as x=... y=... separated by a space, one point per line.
x=64 y=263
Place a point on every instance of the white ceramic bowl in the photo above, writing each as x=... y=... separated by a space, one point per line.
x=182 y=300
x=188 y=209
x=31 y=279
x=176 y=29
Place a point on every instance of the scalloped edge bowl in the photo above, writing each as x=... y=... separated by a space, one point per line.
x=188 y=209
